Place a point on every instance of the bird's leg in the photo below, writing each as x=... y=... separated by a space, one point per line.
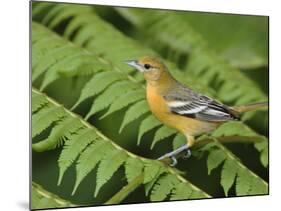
x=172 y=155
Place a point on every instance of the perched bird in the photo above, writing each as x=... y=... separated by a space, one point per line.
x=179 y=107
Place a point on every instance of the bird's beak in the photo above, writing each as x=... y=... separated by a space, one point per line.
x=135 y=64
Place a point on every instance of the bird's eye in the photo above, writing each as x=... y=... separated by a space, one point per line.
x=147 y=66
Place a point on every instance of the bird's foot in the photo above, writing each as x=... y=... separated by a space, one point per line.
x=187 y=154
x=172 y=155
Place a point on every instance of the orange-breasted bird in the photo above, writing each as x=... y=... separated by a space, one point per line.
x=179 y=107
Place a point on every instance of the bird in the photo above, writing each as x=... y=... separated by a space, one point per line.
x=180 y=107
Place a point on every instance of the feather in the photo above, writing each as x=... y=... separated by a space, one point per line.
x=183 y=101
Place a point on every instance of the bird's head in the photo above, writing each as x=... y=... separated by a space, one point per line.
x=152 y=68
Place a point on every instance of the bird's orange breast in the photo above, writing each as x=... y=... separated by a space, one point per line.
x=160 y=109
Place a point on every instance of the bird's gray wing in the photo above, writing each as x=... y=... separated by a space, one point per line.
x=185 y=102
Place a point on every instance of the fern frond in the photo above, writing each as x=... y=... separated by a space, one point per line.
x=179 y=140
x=107 y=168
x=44 y=118
x=89 y=159
x=233 y=168
x=146 y=125
x=133 y=168
x=59 y=58
x=38 y=101
x=134 y=112
x=215 y=158
x=124 y=100
x=89 y=27
x=262 y=147
x=73 y=147
x=93 y=148
x=180 y=192
x=63 y=130
x=114 y=91
x=43 y=199
x=163 y=187
x=97 y=84
x=242 y=131
x=228 y=175
x=161 y=133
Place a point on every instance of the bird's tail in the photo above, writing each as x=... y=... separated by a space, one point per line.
x=250 y=107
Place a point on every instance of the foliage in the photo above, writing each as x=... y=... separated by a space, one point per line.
x=75 y=42
x=42 y=199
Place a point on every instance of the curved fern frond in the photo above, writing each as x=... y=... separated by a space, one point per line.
x=246 y=181
x=87 y=147
x=43 y=199
x=44 y=118
x=59 y=58
x=110 y=95
x=134 y=112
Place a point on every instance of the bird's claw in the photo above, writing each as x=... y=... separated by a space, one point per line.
x=187 y=154
x=172 y=157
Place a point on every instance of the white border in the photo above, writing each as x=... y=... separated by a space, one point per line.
x=14 y=108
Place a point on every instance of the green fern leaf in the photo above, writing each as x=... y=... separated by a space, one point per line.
x=73 y=147
x=258 y=187
x=69 y=63
x=97 y=84
x=133 y=168
x=134 y=112
x=146 y=125
x=107 y=168
x=151 y=170
x=44 y=118
x=43 y=199
x=38 y=101
x=228 y=175
x=52 y=57
x=161 y=133
x=52 y=13
x=179 y=140
x=243 y=183
x=89 y=159
x=65 y=12
x=232 y=129
x=181 y=192
x=62 y=130
x=114 y=91
x=38 y=8
x=215 y=158
x=163 y=187
x=125 y=100
x=262 y=147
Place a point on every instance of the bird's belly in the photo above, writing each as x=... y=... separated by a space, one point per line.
x=187 y=126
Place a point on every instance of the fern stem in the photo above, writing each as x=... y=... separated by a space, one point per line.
x=230 y=139
x=126 y=190
x=87 y=124
x=43 y=193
